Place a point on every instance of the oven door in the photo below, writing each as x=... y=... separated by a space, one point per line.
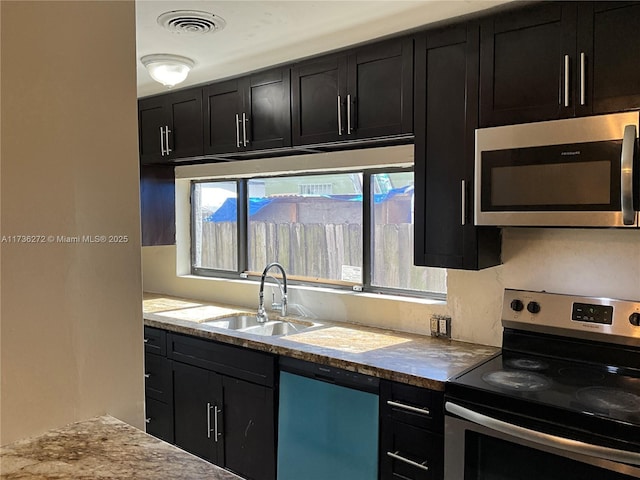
x=480 y=447
x=575 y=172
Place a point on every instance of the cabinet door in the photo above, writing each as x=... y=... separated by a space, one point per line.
x=606 y=46
x=185 y=136
x=223 y=109
x=522 y=73
x=159 y=419
x=446 y=115
x=249 y=429
x=152 y=115
x=197 y=397
x=380 y=90
x=157 y=209
x=267 y=109
x=318 y=90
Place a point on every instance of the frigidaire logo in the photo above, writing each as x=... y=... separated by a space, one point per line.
x=577 y=152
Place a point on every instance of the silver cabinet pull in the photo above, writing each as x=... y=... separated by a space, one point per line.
x=147 y=375
x=147 y=420
x=541 y=438
x=566 y=80
x=582 y=79
x=216 y=411
x=237 y=131
x=464 y=202
x=422 y=411
x=162 y=152
x=339 y=116
x=166 y=135
x=626 y=175
x=209 y=420
x=400 y=458
x=146 y=340
x=244 y=129
x=349 y=114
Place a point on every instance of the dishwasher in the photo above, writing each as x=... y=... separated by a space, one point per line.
x=327 y=423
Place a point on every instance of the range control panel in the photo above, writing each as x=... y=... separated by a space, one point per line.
x=569 y=315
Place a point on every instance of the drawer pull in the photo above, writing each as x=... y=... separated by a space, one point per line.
x=422 y=411
x=146 y=340
x=395 y=456
x=147 y=420
x=147 y=375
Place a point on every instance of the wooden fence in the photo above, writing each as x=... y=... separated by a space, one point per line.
x=320 y=251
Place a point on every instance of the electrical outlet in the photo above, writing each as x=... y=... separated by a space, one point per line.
x=444 y=327
x=434 y=326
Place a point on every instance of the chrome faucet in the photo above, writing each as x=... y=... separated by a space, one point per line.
x=262 y=313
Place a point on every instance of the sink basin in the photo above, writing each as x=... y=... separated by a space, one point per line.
x=250 y=324
x=236 y=322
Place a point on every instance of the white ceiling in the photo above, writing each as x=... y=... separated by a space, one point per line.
x=259 y=34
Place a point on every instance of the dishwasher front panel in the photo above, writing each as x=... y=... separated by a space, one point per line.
x=326 y=431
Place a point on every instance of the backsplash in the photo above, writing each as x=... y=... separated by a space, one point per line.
x=602 y=262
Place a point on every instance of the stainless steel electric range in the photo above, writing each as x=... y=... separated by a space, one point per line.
x=562 y=399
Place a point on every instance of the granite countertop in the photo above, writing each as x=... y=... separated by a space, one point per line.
x=403 y=357
x=104 y=448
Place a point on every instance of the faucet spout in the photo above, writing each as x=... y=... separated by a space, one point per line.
x=262 y=313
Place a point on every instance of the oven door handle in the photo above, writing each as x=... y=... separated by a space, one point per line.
x=626 y=175
x=540 y=438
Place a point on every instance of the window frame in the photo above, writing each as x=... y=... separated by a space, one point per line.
x=242 y=233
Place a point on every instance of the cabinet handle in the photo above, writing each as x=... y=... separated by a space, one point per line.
x=244 y=129
x=626 y=175
x=166 y=134
x=582 y=78
x=339 y=116
x=349 y=114
x=209 y=420
x=237 y=130
x=216 y=411
x=146 y=340
x=395 y=456
x=464 y=202
x=422 y=410
x=162 y=152
x=147 y=420
x=147 y=375
x=566 y=80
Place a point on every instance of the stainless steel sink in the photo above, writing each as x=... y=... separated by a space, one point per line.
x=250 y=324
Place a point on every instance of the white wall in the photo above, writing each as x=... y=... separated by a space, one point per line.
x=70 y=313
x=573 y=261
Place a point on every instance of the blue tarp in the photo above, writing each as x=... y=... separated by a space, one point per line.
x=228 y=210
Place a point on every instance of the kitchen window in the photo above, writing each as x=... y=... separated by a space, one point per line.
x=350 y=230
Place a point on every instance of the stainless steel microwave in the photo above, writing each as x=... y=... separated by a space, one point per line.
x=578 y=172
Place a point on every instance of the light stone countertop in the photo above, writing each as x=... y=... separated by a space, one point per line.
x=403 y=357
x=102 y=448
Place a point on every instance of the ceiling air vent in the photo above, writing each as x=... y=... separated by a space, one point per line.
x=191 y=22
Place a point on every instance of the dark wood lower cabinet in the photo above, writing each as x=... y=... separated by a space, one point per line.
x=411 y=433
x=226 y=420
x=158 y=385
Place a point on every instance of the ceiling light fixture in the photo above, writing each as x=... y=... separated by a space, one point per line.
x=167 y=69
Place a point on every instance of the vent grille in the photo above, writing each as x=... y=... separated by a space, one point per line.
x=191 y=22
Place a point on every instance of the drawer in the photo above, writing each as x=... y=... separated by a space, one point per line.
x=159 y=419
x=416 y=406
x=158 y=378
x=410 y=453
x=238 y=362
x=155 y=341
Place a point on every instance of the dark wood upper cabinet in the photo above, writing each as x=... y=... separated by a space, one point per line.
x=361 y=94
x=170 y=126
x=558 y=60
x=446 y=115
x=248 y=113
x=522 y=70
x=157 y=205
x=608 y=49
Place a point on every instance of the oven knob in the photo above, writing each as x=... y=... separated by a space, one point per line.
x=634 y=319
x=533 y=307
x=517 y=305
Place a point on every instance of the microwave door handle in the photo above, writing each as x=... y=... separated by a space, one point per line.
x=545 y=439
x=626 y=175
